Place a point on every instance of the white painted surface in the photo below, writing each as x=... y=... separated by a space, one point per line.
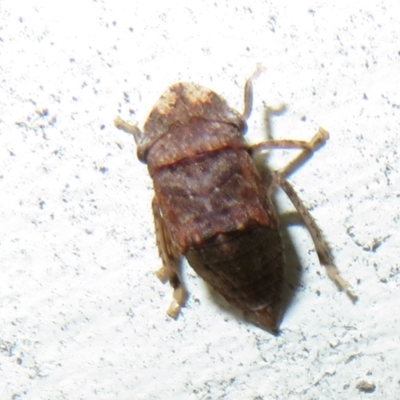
x=81 y=313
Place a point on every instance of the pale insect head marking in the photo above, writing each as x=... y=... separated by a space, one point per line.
x=196 y=94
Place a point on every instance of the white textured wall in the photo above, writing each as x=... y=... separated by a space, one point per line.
x=81 y=313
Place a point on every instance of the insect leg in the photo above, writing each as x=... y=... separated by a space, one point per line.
x=309 y=148
x=171 y=263
x=248 y=92
x=321 y=246
x=128 y=128
x=317 y=141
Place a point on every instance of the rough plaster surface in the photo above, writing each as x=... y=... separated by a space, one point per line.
x=82 y=315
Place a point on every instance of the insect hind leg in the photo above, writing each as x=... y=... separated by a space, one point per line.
x=279 y=179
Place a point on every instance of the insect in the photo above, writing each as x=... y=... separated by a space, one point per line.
x=213 y=207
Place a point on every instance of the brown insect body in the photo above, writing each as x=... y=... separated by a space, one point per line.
x=213 y=202
x=211 y=205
